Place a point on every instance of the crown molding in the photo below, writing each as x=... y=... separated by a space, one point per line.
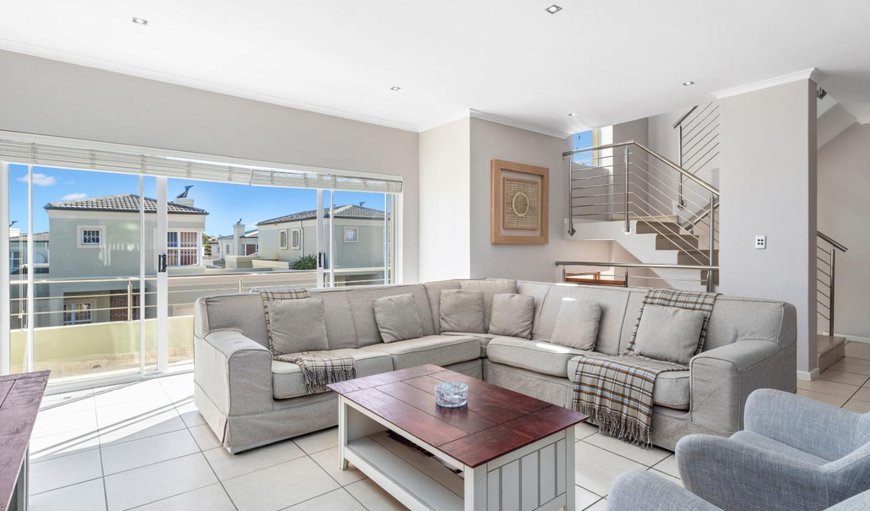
x=513 y=123
x=805 y=74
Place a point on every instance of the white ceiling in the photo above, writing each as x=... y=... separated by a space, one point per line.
x=606 y=60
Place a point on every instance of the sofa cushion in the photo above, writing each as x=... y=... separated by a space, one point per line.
x=668 y=333
x=577 y=324
x=512 y=315
x=440 y=350
x=433 y=291
x=490 y=288
x=296 y=325
x=671 y=389
x=362 y=302
x=612 y=301
x=287 y=378
x=778 y=448
x=462 y=311
x=539 y=356
x=397 y=318
x=482 y=338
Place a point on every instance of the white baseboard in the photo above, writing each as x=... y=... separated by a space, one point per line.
x=808 y=375
x=853 y=338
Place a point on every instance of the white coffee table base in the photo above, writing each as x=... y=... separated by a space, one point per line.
x=539 y=476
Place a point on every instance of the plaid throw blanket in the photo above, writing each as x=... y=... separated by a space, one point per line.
x=320 y=368
x=617 y=391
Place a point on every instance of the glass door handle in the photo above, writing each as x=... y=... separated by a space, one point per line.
x=161 y=263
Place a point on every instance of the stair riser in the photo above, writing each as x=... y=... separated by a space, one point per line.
x=698 y=258
x=659 y=228
x=683 y=242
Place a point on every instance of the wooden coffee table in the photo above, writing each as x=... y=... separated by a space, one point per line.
x=504 y=451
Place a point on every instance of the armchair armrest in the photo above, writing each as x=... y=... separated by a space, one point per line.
x=722 y=379
x=234 y=371
x=643 y=491
x=817 y=428
x=733 y=475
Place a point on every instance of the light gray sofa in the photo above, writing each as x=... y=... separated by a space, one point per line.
x=250 y=400
x=644 y=491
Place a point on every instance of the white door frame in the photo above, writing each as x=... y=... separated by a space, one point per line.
x=5 y=295
x=162 y=277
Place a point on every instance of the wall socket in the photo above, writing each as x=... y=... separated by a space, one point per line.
x=760 y=241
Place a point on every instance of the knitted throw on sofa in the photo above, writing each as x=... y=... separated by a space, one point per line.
x=617 y=391
x=320 y=368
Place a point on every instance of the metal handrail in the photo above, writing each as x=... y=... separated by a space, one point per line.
x=839 y=246
x=653 y=266
x=683 y=118
x=707 y=186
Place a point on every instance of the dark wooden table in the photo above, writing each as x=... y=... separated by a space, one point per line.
x=500 y=438
x=20 y=397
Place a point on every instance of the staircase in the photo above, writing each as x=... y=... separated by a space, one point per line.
x=831 y=348
x=659 y=212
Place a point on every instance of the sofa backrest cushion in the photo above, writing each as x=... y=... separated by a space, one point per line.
x=397 y=318
x=736 y=319
x=362 y=309
x=462 y=311
x=612 y=301
x=433 y=290
x=340 y=331
x=489 y=287
x=296 y=325
x=241 y=312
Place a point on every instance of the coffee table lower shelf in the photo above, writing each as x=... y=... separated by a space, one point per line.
x=536 y=477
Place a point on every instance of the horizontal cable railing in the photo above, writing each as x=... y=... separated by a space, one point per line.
x=641 y=273
x=629 y=182
x=698 y=132
x=826 y=263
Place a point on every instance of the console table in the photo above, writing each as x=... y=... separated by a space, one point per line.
x=504 y=451
x=20 y=397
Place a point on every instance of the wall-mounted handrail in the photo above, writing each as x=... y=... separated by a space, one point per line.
x=839 y=246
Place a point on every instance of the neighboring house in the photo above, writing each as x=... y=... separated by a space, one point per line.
x=358 y=240
x=98 y=238
x=18 y=251
x=226 y=245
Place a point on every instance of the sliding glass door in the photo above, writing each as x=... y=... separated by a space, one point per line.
x=104 y=268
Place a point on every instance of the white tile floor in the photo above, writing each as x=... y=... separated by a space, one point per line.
x=145 y=446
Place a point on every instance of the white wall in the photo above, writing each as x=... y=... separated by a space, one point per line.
x=768 y=186
x=844 y=182
x=445 y=202
x=490 y=141
x=53 y=98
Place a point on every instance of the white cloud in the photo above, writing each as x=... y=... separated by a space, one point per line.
x=74 y=196
x=39 y=179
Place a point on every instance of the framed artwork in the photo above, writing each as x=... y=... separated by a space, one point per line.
x=519 y=204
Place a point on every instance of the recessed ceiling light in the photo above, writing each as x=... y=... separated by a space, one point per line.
x=571 y=115
x=689 y=83
x=395 y=88
x=140 y=21
x=553 y=9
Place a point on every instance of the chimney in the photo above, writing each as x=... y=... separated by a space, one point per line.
x=238 y=233
x=183 y=201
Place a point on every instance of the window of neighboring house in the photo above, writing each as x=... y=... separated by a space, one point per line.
x=13 y=261
x=351 y=234
x=77 y=313
x=182 y=248
x=119 y=311
x=91 y=236
x=227 y=251
x=296 y=239
x=282 y=239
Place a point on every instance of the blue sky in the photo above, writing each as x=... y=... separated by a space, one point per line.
x=582 y=140
x=225 y=202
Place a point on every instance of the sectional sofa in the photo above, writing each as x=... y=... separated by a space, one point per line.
x=250 y=400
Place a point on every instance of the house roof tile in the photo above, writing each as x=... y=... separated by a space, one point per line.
x=345 y=211
x=121 y=203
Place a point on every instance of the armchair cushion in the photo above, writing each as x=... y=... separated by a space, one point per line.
x=644 y=491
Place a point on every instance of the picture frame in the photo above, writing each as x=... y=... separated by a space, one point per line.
x=519 y=204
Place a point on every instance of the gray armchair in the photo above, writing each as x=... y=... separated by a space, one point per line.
x=794 y=454
x=644 y=491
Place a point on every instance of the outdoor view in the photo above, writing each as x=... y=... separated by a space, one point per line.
x=94 y=295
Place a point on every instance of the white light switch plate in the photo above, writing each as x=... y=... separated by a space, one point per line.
x=760 y=241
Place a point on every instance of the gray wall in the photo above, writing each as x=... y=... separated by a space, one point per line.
x=844 y=182
x=490 y=141
x=54 y=98
x=768 y=186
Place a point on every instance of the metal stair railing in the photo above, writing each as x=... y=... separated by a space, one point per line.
x=698 y=139
x=628 y=181
x=826 y=264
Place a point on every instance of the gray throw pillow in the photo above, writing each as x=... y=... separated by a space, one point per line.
x=490 y=288
x=397 y=318
x=577 y=324
x=296 y=325
x=462 y=311
x=668 y=333
x=512 y=315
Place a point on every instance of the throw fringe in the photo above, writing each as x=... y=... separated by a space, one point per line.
x=616 y=424
x=316 y=381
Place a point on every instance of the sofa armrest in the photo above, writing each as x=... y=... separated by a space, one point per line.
x=643 y=491
x=733 y=475
x=817 y=428
x=722 y=378
x=234 y=371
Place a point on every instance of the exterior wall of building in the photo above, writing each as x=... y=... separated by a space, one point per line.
x=367 y=252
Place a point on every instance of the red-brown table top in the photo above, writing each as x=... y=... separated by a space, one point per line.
x=496 y=420
x=20 y=396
